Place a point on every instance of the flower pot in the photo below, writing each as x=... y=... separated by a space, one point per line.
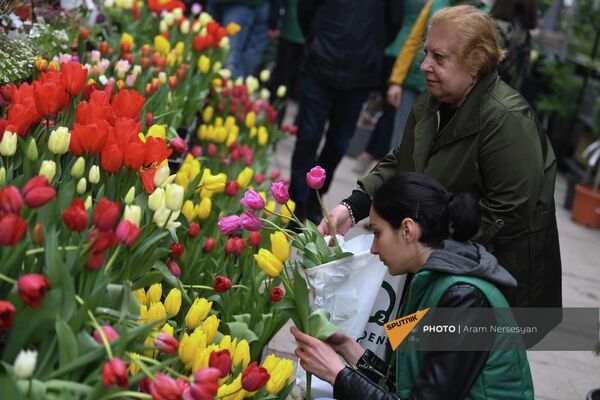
x=586 y=206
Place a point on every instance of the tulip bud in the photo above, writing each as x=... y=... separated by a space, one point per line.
x=88 y=203
x=78 y=168
x=265 y=94
x=193 y=230
x=166 y=343
x=130 y=196
x=265 y=75
x=8 y=144
x=32 y=151
x=174 y=268
x=173 y=302
x=114 y=372
x=276 y=294
x=133 y=214
x=222 y=284
x=156 y=198
x=209 y=245
x=162 y=177
x=32 y=288
x=94 y=174
x=254 y=238
x=281 y=91
x=81 y=186
x=109 y=333
x=178 y=145
x=174 y=197
x=154 y=293
x=48 y=169
x=254 y=377
x=25 y=364
x=176 y=250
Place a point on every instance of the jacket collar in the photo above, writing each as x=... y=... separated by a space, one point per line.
x=466 y=118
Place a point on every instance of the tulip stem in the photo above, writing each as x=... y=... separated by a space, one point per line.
x=128 y=393
x=42 y=249
x=169 y=369
x=329 y=224
x=197 y=287
x=96 y=325
x=112 y=260
x=300 y=224
x=135 y=359
x=7 y=279
x=287 y=232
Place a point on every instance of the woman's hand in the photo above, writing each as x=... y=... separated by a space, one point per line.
x=345 y=346
x=394 y=95
x=317 y=357
x=340 y=219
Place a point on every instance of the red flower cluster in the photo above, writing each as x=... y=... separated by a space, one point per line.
x=159 y=6
x=212 y=38
x=7 y=314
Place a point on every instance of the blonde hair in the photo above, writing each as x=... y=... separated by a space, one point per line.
x=474 y=35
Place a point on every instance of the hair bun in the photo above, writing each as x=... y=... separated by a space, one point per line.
x=463 y=215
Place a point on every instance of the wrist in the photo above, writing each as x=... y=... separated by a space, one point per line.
x=335 y=370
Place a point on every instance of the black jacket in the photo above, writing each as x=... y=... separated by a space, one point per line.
x=441 y=378
x=344 y=40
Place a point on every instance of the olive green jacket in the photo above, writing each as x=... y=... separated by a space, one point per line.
x=494 y=149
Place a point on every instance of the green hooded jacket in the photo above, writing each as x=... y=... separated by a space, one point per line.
x=493 y=148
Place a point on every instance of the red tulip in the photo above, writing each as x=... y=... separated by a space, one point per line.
x=174 y=268
x=95 y=260
x=205 y=385
x=88 y=89
x=167 y=388
x=220 y=360
x=111 y=157
x=176 y=250
x=11 y=200
x=276 y=294
x=145 y=384
x=114 y=372
x=22 y=117
x=156 y=150
x=234 y=245
x=84 y=33
x=149 y=119
x=106 y=214
x=178 y=145
x=12 y=229
x=275 y=174
x=134 y=154
x=209 y=245
x=109 y=332
x=32 y=288
x=222 y=284
x=37 y=192
x=127 y=232
x=102 y=240
x=254 y=239
x=50 y=96
x=74 y=77
x=193 y=230
x=259 y=178
x=232 y=188
x=7 y=314
x=166 y=343
x=254 y=377
x=211 y=150
x=89 y=138
x=75 y=217
x=128 y=103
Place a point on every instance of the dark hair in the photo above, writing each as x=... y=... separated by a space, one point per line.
x=522 y=11
x=439 y=214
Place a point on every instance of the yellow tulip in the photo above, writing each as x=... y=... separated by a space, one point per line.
x=179 y=48
x=157 y=312
x=133 y=214
x=270 y=207
x=58 y=143
x=220 y=134
x=233 y=135
x=149 y=343
x=202 y=357
x=143 y=313
x=174 y=196
x=203 y=209
x=285 y=211
x=127 y=38
x=156 y=199
x=263 y=136
x=204 y=64
x=133 y=367
x=154 y=293
x=197 y=313
x=190 y=345
x=48 y=169
x=215 y=183
x=280 y=246
x=77 y=169
x=207 y=114
x=241 y=355
x=280 y=376
x=253 y=132
x=162 y=45
x=232 y=391
x=244 y=177
x=227 y=344
x=140 y=295
x=210 y=327
x=157 y=131
x=167 y=328
x=232 y=28
x=173 y=302
x=270 y=362
x=268 y=263
x=182 y=179
x=250 y=119
x=188 y=210
x=130 y=196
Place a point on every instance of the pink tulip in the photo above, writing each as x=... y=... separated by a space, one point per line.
x=114 y=372
x=166 y=343
x=229 y=225
x=252 y=200
x=10 y=200
x=250 y=221
x=167 y=388
x=315 y=178
x=127 y=232
x=279 y=192
x=109 y=332
x=32 y=289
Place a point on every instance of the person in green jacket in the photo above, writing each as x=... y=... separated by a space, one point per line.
x=474 y=133
x=421 y=228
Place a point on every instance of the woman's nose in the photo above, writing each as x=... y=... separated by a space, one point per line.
x=426 y=64
x=374 y=249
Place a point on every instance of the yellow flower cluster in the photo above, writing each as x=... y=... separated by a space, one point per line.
x=221 y=131
x=281 y=371
x=272 y=261
x=190 y=168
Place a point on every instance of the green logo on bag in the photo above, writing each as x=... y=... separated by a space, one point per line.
x=382 y=316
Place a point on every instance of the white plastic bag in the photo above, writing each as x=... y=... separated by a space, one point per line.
x=361 y=297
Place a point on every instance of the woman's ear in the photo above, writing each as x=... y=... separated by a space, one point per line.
x=410 y=230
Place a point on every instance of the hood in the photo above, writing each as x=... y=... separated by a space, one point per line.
x=468 y=259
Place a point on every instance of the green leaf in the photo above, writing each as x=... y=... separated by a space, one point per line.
x=320 y=327
x=301 y=299
x=244 y=318
x=241 y=331
x=68 y=350
x=148 y=279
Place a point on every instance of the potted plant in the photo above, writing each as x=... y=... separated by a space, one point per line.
x=586 y=205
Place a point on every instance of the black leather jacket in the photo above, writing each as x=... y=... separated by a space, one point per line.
x=446 y=375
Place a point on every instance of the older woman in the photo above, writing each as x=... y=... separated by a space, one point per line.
x=474 y=133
